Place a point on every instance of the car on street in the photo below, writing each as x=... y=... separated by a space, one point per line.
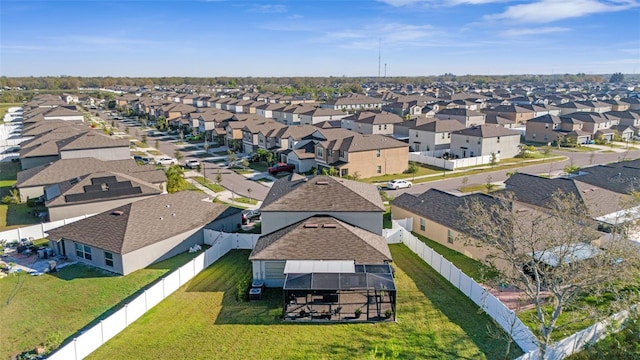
x=166 y=161
x=398 y=184
x=192 y=163
x=249 y=215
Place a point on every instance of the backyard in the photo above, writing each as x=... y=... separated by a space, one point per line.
x=13 y=215
x=45 y=310
x=204 y=320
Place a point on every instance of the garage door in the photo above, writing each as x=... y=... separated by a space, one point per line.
x=274 y=273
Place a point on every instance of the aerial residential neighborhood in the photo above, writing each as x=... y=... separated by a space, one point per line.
x=319 y=180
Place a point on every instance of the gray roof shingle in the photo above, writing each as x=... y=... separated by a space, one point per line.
x=142 y=223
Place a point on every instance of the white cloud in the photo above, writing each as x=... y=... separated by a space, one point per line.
x=268 y=9
x=388 y=33
x=532 y=31
x=399 y=3
x=546 y=11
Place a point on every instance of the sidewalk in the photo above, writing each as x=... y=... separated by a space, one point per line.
x=225 y=196
x=558 y=158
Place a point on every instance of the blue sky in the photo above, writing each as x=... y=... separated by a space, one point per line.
x=318 y=38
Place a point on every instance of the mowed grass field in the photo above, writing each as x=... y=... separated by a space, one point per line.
x=202 y=320
x=45 y=310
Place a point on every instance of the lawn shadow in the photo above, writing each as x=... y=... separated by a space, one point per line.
x=459 y=309
x=80 y=271
x=21 y=214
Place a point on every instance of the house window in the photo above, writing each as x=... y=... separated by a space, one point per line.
x=108 y=259
x=378 y=153
x=379 y=127
x=479 y=141
x=344 y=172
x=423 y=224
x=498 y=139
x=450 y=236
x=443 y=135
x=467 y=140
x=448 y=135
x=546 y=126
x=83 y=251
x=533 y=136
x=329 y=153
x=342 y=154
x=319 y=152
x=385 y=126
x=379 y=169
x=416 y=134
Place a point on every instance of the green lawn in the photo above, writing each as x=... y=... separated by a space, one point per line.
x=259 y=166
x=4 y=107
x=203 y=320
x=207 y=183
x=467 y=265
x=48 y=309
x=13 y=215
x=244 y=200
x=422 y=170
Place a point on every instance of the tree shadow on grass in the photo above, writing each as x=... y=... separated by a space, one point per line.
x=452 y=303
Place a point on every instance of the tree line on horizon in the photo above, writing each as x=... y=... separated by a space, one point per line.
x=277 y=83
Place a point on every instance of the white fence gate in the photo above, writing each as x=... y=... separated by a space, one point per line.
x=91 y=339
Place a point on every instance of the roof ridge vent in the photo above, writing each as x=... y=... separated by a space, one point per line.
x=319 y=182
x=330 y=225
x=311 y=226
x=117 y=212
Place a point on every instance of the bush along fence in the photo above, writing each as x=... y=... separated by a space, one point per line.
x=91 y=339
x=500 y=313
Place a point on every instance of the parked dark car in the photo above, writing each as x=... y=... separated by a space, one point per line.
x=249 y=215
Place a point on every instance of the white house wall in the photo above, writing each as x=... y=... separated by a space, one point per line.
x=370 y=221
x=105 y=154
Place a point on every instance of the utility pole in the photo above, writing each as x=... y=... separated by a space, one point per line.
x=379 y=55
x=385 y=70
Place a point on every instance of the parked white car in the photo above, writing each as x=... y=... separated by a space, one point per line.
x=192 y=164
x=166 y=161
x=398 y=184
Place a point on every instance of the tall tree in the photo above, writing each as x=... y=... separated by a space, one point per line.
x=548 y=254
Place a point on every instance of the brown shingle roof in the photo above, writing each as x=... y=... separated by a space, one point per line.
x=322 y=193
x=330 y=239
x=142 y=223
x=66 y=169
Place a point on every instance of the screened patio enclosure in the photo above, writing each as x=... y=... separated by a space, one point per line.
x=358 y=293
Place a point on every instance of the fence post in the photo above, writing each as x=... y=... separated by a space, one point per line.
x=126 y=315
x=101 y=332
x=75 y=349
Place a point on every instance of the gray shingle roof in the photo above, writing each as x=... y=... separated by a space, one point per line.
x=322 y=193
x=322 y=238
x=142 y=223
x=440 y=206
x=66 y=169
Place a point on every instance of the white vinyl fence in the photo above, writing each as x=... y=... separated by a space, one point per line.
x=424 y=158
x=576 y=342
x=504 y=316
x=92 y=338
x=37 y=231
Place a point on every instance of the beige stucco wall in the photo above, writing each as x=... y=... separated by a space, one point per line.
x=439 y=233
x=540 y=131
x=365 y=163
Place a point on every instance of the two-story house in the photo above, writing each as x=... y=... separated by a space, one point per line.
x=465 y=116
x=433 y=136
x=485 y=140
x=369 y=122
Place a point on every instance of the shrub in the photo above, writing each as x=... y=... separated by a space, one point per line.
x=357 y=313
x=242 y=288
x=388 y=313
